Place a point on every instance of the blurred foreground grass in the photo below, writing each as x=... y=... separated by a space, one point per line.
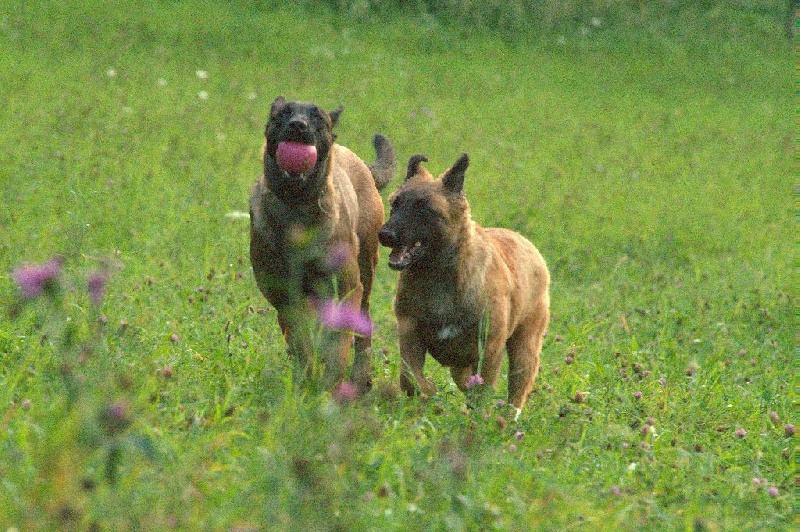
x=648 y=158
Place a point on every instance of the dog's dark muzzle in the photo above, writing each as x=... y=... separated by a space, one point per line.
x=388 y=237
x=402 y=254
x=298 y=130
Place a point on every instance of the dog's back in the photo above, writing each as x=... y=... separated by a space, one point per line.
x=529 y=279
x=366 y=180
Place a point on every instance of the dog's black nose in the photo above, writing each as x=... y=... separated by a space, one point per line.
x=298 y=124
x=387 y=237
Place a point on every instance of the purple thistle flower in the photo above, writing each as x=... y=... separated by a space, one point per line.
x=512 y=447
x=773 y=492
x=116 y=417
x=740 y=433
x=519 y=435
x=789 y=429
x=340 y=316
x=474 y=380
x=97 y=286
x=637 y=395
x=32 y=280
x=345 y=392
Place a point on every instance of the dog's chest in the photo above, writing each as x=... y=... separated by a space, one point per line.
x=449 y=332
x=446 y=326
x=453 y=343
x=438 y=304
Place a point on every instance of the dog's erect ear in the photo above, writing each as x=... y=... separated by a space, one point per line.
x=277 y=105
x=335 y=115
x=413 y=165
x=453 y=179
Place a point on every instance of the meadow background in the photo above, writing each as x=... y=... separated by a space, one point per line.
x=646 y=148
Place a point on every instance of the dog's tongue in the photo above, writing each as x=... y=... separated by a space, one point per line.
x=295 y=157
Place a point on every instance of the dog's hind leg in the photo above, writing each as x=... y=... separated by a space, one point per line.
x=492 y=356
x=524 y=351
x=367 y=263
x=362 y=362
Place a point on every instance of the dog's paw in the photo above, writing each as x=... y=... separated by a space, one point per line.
x=423 y=387
x=427 y=387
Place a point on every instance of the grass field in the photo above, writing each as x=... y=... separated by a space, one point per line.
x=650 y=160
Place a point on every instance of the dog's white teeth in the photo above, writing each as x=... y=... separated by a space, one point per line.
x=301 y=176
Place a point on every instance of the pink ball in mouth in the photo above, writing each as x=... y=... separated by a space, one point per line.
x=295 y=157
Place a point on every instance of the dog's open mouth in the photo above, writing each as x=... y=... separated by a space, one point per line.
x=402 y=256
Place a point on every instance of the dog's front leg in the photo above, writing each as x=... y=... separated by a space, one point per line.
x=461 y=375
x=296 y=326
x=337 y=355
x=412 y=352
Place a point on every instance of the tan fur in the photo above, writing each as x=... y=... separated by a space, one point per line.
x=495 y=273
x=290 y=241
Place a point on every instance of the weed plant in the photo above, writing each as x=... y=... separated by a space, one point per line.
x=645 y=148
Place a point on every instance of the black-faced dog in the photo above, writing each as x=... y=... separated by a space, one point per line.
x=314 y=220
x=463 y=288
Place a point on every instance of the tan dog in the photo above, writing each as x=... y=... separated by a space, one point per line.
x=463 y=288
x=317 y=198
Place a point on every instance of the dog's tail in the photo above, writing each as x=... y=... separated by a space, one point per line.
x=385 y=161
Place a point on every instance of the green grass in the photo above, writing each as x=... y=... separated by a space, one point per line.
x=648 y=158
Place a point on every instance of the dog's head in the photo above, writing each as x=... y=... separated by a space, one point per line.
x=299 y=125
x=427 y=215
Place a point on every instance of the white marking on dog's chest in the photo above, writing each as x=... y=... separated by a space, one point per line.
x=448 y=332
